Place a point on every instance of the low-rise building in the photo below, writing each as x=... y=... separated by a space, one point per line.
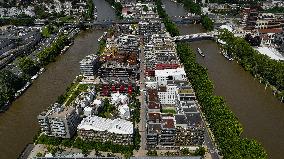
x=117 y=131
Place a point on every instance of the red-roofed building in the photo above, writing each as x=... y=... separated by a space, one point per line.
x=154 y=107
x=154 y=117
x=150 y=72
x=273 y=31
x=168 y=123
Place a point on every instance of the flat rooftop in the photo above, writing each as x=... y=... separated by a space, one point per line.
x=154 y=128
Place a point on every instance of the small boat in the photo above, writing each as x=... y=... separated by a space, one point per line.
x=200 y=52
x=226 y=55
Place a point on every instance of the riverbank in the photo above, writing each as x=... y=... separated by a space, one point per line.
x=22 y=113
x=70 y=36
x=226 y=127
x=268 y=71
x=255 y=107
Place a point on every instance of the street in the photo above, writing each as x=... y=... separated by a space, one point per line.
x=142 y=99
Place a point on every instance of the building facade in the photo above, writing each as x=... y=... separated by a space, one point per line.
x=59 y=121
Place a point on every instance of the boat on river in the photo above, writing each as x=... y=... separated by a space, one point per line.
x=200 y=52
x=226 y=55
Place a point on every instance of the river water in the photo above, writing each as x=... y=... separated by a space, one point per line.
x=260 y=113
x=19 y=124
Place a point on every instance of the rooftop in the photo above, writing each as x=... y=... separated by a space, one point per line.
x=272 y=53
x=187 y=90
x=168 y=123
x=153 y=95
x=170 y=72
x=154 y=127
x=154 y=116
x=117 y=126
x=275 y=30
x=194 y=119
x=153 y=105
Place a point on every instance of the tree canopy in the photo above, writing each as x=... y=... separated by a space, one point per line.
x=271 y=71
x=207 y=23
x=224 y=124
x=170 y=26
x=9 y=84
x=28 y=66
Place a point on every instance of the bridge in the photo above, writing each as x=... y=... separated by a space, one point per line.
x=196 y=37
x=107 y=23
x=186 y=19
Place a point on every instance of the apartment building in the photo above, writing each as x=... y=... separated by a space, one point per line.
x=173 y=89
x=168 y=132
x=160 y=52
x=89 y=66
x=112 y=70
x=128 y=42
x=59 y=121
x=148 y=28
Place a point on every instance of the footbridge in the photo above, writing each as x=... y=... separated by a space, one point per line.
x=107 y=23
x=196 y=37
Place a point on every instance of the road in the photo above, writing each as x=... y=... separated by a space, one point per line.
x=142 y=99
x=208 y=139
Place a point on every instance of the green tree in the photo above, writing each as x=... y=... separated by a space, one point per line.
x=191 y=6
x=39 y=154
x=207 y=23
x=9 y=84
x=185 y=151
x=49 y=54
x=145 y=8
x=200 y=151
x=28 y=66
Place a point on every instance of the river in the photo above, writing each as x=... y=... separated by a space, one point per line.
x=260 y=113
x=19 y=124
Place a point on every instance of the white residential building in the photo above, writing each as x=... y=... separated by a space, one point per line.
x=162 y=76
x=175 y=88
x=118 y=99
x=167 y=94
x=124 y=111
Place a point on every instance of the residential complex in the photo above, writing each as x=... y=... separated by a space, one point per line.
x=89 y=66
x=59 y=121
x=117 y=131
x=107 y=100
